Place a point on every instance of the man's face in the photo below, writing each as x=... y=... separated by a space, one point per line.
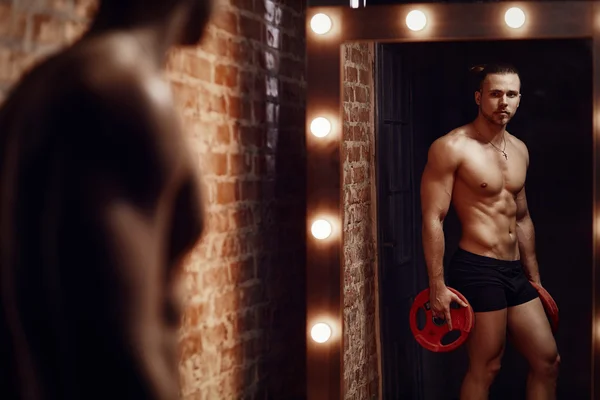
x=499 y=98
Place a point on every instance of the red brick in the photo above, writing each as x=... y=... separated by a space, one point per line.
x=224 y=304
x=226 y=75
x=365 y=76
x=59 y=5
x=233 y=247
x=241 y=217
x=217 y=103
x=234 y=107
x=218 y=222
x=361 y=94
x=12 y=22
x=195 y=67
x=251 y=28
x=216 y=43
x=353 y=154
x=360 y=350
x=351 y=74
x=216 y=162
x=195 y=315
x=227 y=21
x=250 y=190
x=231 y=358
x=216 y=334
x=227 y=192
x=246 y=110
x=185 y=97
x=190 y=346
x=47 y=29
x=240 y=164
x=223 y=134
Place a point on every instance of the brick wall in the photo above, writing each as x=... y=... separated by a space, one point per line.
x=241 y=99
x=361 y=377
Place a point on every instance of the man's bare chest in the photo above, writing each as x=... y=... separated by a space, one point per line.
x=490 y=173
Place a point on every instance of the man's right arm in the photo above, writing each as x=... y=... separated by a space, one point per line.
x=436 y=191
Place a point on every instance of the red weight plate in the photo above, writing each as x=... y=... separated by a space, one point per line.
x=549 y=305
x=431 y=335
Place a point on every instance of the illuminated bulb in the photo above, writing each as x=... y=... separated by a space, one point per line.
x=321 y=229
x=356 y=3
x=416 y=20
x=514 y=17
x=597 y=330
x=320 y=24
x=320 y=127
x=320 y=332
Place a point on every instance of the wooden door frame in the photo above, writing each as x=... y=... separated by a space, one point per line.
x=446 y=22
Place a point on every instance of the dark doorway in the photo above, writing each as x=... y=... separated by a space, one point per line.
x=422 y=93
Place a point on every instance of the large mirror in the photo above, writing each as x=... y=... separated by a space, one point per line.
x=401 y=91
x=425 y=91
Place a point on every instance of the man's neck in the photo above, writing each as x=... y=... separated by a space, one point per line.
x=489 y=132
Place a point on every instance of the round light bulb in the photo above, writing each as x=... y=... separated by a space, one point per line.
x=320 y=332
x=416 y=20
x=320 y=127
x=514 y=17
x=321 y=229
x=320 y=24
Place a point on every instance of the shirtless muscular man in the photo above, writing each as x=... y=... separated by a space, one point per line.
x=480 y=169
x=100 y=202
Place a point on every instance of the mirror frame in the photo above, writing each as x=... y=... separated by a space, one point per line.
x=445 y=22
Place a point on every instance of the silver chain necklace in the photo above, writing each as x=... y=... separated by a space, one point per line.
x=494 y=146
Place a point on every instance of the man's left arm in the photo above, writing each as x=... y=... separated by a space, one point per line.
x=526 y=238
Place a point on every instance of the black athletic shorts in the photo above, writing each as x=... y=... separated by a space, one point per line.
x=489 y=284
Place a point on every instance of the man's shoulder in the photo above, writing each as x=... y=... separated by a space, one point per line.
x=97 y=73
x=447 y=151
x=451 y=143
x=116 y=73
x=518 y=143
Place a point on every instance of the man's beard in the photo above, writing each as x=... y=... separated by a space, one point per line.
x=491 y=118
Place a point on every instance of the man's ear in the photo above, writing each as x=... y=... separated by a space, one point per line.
x=478 y=97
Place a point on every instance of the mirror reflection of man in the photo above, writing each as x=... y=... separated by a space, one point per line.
x=99 y=203
x=481 y=170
